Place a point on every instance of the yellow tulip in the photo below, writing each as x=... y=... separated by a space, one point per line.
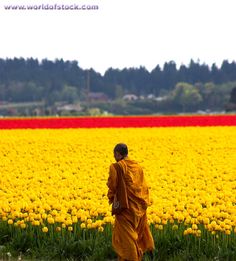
x=70 y=228
x=83 y=225
x=10 y=222
x=100 y=229
x=45 y=229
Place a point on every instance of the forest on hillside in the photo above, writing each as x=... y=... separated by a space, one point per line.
x=168 y=89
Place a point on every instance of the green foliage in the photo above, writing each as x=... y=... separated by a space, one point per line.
x=203 y=87
x=233 y=96
x=69 y=93
x=91 y=245
x=119 y=91
x=50 y=76
x=186 y=95
x=231 y=104
x=215 y=97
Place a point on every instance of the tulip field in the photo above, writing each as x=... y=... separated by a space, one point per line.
x=53 y=193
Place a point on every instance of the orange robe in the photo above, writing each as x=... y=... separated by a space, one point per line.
x=131 y=235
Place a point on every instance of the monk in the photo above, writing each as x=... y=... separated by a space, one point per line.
x=131 y=235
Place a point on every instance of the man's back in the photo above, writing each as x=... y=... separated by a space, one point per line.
x=137 y=188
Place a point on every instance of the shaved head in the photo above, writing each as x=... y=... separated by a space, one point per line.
x=122 y=149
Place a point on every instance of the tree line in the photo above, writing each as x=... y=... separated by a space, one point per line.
x=24 y=80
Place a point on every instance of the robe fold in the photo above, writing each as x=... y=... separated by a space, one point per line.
x=131 y=235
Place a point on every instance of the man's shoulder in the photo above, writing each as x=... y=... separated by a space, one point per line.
x=112 y=166
x=129 y=161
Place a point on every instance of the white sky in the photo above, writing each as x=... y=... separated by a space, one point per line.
x=122 y=33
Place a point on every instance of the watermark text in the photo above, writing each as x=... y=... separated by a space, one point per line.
x=57 y=7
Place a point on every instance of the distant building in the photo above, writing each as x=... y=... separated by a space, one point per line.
x=97 y=97
x=151 y=96
x=163 y=98
x=69 y=108
x=38 y=112
x=130 y=97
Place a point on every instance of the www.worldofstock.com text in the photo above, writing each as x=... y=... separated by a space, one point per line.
x=51 y=7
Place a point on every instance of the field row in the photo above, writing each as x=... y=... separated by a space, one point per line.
x=59 y=176
x=118 y=122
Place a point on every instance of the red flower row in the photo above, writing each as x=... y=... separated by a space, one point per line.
x=118 y=122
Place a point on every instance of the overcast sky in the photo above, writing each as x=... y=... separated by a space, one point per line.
x=121 y=33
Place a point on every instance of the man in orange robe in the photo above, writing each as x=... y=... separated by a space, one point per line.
x=131 y=235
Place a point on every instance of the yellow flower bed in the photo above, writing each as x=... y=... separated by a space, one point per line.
x=59 y=176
